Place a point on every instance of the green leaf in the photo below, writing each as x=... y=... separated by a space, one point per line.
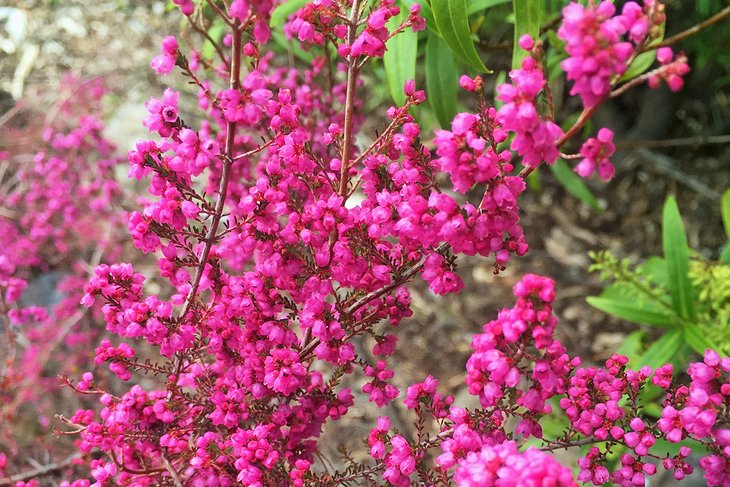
x=278 y=18
x=498 y=80
x=662 y=350
x=676 y=252
x=400 y=57
x=655 y=269
x=281 y=13
x=216 y=33
x=654 y=410
x=573 y=184
x=631 y=346
x=725 y=255
x=442 y=77
x=643 y=61
x=480 y=5
x=630 y=311
x=725 y=211
x=527 y=21
x=452 y=20
x=697 y=340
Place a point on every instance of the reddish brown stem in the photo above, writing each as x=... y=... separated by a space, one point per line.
x=235 y=83
x=349 y=101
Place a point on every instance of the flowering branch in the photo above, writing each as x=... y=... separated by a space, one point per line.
x=352 y=73
x=718 y=17
x=234 y=83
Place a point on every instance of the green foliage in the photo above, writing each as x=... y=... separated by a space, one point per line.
x=682 y=293
x=676 y=252
x=476 y=6
x=400 y=57
x=643 y=61
x=725 y=210
x=712 y=281
x=528 y=15
x=574 y=184
x=216 y=31
x=278 y=18
x=452 y=20
x=442 y=77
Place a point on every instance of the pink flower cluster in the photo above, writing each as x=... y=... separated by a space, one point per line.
x=281 y=243
x=468 y=157
x=535 y=139
x=596 y=154
x=320 y=21
x=503 y=465
x=501 y=363
x=672 y=70
x=165 y=62
x=600 y=43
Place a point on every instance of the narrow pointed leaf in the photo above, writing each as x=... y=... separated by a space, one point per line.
x=663 y=350
x=452 y=20
x=400 y=57
x=676 y=252
x=643 y=61
x=573 y=183
x=697 y=340
x=476 y=6
x=527 y=21
x=725 y=210
x=442 y=78
x=630 y=311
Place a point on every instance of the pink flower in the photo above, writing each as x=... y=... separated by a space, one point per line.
x=165 y=62
x=596 y=153
x=503 y=464
x=535 y=138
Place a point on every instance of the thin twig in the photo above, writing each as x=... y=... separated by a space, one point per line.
x=222 y=14
x=253 y=151
x=235 y=82
x=722 y=14
x=565 y=446
x=665 y=165
x=644 y=77
x=680 y=142
x=40 y=471
x=215 y=45
x=171 y=470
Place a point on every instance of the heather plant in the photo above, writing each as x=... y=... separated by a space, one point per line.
x=286 y=236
